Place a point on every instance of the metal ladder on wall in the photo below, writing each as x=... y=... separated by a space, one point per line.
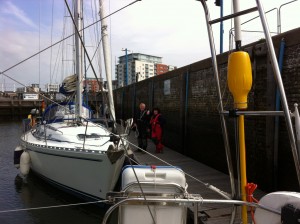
x=286 y=112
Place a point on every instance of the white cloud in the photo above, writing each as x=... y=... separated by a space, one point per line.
x=11 y=9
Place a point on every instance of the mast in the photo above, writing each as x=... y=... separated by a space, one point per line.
x=107 y=59
x=78 y=59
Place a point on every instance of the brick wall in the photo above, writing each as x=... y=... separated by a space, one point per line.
x=188 y=99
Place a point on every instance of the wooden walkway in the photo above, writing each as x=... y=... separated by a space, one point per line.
x=207 y=214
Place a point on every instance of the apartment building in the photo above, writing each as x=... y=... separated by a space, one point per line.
x=139 y=67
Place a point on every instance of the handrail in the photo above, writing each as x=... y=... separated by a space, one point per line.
x=181 y=201
x=132 y=184
x=233 y=15
x=279 y=15
x=254 y=113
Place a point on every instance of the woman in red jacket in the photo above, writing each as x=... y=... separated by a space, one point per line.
x=156 y=124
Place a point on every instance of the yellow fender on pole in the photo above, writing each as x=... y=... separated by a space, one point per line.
x=239 y=78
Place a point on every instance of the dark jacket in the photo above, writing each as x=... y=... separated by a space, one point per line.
x=142 y=120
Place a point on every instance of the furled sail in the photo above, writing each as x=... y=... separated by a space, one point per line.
x=68 y=85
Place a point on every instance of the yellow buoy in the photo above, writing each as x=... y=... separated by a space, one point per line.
x=239 y=78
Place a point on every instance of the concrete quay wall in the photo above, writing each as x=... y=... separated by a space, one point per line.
x=188 y=99
x=16 y=109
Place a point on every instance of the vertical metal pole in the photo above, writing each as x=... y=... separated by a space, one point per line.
x=220 y=106
x=221 y=27
x=133 y=99
x=126 y=58
x=280 y=87
x=107 y=60
x=277 y=108
x=86 y=126
x=195 y=213
x=122 y=105
x=186 y=112
x=237 y=210
x=243 y=167
x=237 y=26
x=44 y=122
x=151 y=95
x=77 y=18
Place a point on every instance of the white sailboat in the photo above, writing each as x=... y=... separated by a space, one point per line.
x=69 y=150
x=159 y=194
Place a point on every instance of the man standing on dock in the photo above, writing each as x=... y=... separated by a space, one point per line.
x=141 y=122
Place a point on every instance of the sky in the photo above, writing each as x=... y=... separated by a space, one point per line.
x=172 y=29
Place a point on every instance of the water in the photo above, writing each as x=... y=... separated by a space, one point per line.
x=18 y=194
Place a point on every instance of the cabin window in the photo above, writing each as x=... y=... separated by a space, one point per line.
x=93 y=136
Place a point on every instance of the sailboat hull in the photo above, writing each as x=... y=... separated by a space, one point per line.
x=88 y=174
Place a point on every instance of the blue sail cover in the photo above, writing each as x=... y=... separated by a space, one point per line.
x=62 y=90
x=64 y=111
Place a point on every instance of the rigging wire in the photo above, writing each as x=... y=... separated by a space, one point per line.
x=51 y=41
x=95 y=55
x=39 y=42
x=62 y=50
x=54 y=206
x=56 y=64
x=85 y=94
x=26 y=59
x=63 y=47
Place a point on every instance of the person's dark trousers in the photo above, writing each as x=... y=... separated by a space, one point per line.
x=142 y=143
